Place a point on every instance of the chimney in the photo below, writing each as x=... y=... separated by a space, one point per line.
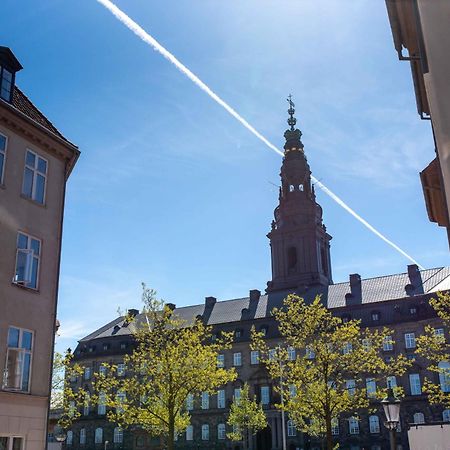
x=210 y=302
x=415 y=285
x=254 y=295
x=133 y=312
x=171 y=306
x=354 y=297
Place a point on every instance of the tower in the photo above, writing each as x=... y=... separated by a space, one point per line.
x=300 y=244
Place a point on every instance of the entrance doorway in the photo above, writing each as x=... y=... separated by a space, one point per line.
x=264 y=439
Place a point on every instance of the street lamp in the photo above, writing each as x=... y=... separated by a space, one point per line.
x=391 y=406
x=59 y=433
x=106 y=444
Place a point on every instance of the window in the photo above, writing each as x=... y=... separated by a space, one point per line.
x=221 y=431
x=105 y=347
x=86 y=406
x=410 y=340
x=205 y=400
x=375 y=316
x=27 y=260
x=371 y=387
x=120 y=398
x=123 y=345
x=118 y=435
x=190 y=433
x=335 y=426
x=291 y=430
x=254 y=357
x=446 y=415
x=438 y=332
x=69 y=438
x=413 y=310
x=353 y=425
x=265 y=395
x=190 y=402
x=72 y=408
x=103 y=370
x=309 y=353
x=391 y=382
x=2 y=156
x=367 y=344
x=272 y=353
x=18 y=360
x=221 y=360
x=101 y=409
x=264 y=329
x=6 y=84
x=346 y=318
x=238 y=333
x=221 y=398
x=292 y=390
x=374 y=424
x=34 y=177
x=83 y=436
x=292 y=258
x=414 y=383
x=237 y=359
x=121 y=369
x=99 y=435
x=347 y=348
x=444 y=375
x=87 y=373
x=205 y=432
x=350 y=385
x=418 y=418
x=237 y=395
x=291 y=353
x=388 y=343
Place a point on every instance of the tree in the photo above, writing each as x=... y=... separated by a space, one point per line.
x=57 y=390
x=171 y=361
x=433 y=346
x=333 y=362
x=246 y=417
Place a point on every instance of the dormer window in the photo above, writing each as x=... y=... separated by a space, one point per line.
x=412 y=310
x=264 y=330
x=238 y=333
x=6 y=84
x=375 y=316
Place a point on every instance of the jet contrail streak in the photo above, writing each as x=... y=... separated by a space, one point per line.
x=143 y=35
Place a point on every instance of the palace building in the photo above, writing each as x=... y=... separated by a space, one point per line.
x=301 y=264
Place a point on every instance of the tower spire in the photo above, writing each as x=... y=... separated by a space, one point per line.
x=298 y=239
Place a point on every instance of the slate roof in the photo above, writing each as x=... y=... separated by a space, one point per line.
x=378 y=289
x=23 y=104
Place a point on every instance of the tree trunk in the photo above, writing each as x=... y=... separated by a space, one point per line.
x=329 y=434
x=171 y=436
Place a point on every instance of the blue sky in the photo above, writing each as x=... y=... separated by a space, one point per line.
x=171 y=190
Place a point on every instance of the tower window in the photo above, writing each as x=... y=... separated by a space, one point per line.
x=291 y=188
x=6 y=84
x=300 y=187
x=292 y=257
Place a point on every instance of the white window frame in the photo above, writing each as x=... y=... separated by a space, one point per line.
x=351 y=387
x=205 y=432
x=237 y=395
x=388 y=344
x=121 y=369
x=87 y=373
x=21 y=358
x=189 y=433
x=3 y=152
x=221 y=398
x=347 y=348
x=418 y=418
x=265 y=395
x=335 y=426
x=86 y=404
x=371 y=387
x=292 y=354
x=31 y=257
x=415 y=384
x=10 y=440
x=221 y=431
x=410 y=340
x=205 y=400
x=118 y=435
x=221 y=360
x=69 y=438
x=237 y=359
x=291 y=430
x=189 y=402
x=444 y=376
x=35 y=173
x=98 y=435
x=374 y=424
x=101 y=408
x=353 y=425
x=82 y=438
x=121 y=398
x=254 y=357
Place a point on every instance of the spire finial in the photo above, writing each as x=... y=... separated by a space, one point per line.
x=291 y=111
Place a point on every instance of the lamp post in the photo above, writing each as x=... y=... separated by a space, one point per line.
x=106 y=444
x=391 y=406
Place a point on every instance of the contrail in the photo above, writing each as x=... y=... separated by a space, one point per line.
x=142 y=34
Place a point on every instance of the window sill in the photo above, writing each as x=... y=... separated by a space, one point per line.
x=34 y=202
x=15 y=391
x=26 y=288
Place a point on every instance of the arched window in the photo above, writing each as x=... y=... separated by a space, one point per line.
x=87 y=399
x=118 y=435
x=291 y=430
x=334 y=426
x=83 y=436
x=99 y=435
x=353 y=425
x=292 y=257
x=205 y=432
x=418 y=418
x=444 y=375
x=374 y=424
x=69 y=439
